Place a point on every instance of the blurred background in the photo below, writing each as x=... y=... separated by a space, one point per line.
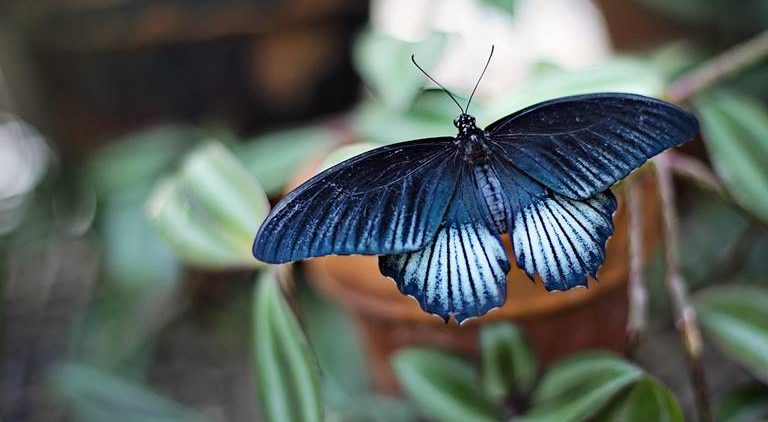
x=142 y=141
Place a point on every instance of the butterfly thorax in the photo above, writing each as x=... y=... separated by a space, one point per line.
x=471 y=139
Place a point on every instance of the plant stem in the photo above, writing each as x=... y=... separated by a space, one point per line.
x=684 y=313
x=723 y=65
x=696 y=171
x=638 y=295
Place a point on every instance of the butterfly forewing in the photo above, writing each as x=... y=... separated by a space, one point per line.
x=579 y=146
x=388 y=200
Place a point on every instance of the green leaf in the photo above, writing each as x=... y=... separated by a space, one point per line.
x=734 y=127
x=188 y=234
x=210 y=211
x=385 y=64
x=378 y=124
x=746 y=403
x=346 y=385
x=123 y=174
x=735 y=317
x=345 y=153
x=370 y=407
x=507 y=6
x=135 y=258
x=674 y=58
x=276 y=157
x=139 y=157
x=754 y=265
x=705 y=253
x=436 y=104
x=96 y=396
x=141 y=271
x=337 y=347
x=578 y=387
x=217 y=181
x=751 y=79
x=508 y=361
x=616 y=75
x=647 y=400
x=287 y=377
x=443 y=386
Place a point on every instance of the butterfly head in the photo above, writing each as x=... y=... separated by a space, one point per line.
x=465 y=123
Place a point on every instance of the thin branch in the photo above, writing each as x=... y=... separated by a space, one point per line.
x=725 y=64
x=638 y=295
x=696 y=171
x=684 y=312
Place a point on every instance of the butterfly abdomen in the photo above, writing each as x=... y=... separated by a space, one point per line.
x=490 y=190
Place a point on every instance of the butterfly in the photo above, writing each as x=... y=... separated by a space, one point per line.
x=434 y=209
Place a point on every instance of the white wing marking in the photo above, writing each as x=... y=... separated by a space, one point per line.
x=563 y=240
x=462 y=272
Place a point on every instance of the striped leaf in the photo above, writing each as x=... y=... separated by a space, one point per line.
x=287 y=377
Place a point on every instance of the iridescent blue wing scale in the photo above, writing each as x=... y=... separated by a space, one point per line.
x=581 y=145
x=388 y=200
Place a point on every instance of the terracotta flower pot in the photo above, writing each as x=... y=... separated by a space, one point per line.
x=557 y=323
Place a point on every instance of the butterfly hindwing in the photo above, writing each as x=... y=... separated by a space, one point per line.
x=563 y=239
x=463 y=271
x=581 y=145
x=388 y=200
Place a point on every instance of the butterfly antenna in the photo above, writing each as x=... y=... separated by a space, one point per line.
x=480 y=78
x=413 y=59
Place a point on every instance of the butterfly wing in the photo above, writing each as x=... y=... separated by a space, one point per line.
x=561 y=239
x=388 y=200
x=463 y=270
x=581 y=145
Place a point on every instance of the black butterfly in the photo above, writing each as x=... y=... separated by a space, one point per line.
x=433 y=209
